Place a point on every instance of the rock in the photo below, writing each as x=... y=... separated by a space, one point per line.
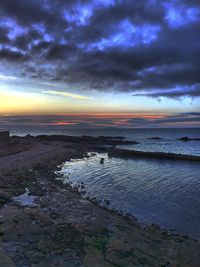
x=4 y=197
x=107 y=201
x=102 y=161
x=153 y=228
x=5 y=261
x=185 y=138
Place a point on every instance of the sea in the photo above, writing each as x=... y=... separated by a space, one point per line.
x=165 y=192
x=168 y=142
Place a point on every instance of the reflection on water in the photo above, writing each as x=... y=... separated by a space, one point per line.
x=26 y=199
x=164 y=192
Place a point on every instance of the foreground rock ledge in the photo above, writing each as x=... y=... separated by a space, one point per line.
x=62 y=229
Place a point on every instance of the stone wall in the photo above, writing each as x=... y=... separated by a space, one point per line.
x=4 y=136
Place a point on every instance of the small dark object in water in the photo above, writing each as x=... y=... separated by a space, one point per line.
x=185 y=138
x=102 y=160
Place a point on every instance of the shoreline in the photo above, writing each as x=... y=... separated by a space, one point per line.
x=73 y=229
x=126 y=153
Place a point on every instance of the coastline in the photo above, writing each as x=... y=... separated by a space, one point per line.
x=64 y=228
x=126 y=153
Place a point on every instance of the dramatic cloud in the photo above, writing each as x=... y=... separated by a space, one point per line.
x=145 y=47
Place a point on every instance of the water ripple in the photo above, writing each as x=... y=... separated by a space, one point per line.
x=165 y=192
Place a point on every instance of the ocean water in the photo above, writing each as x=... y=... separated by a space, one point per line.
x=165 y=192
x=168 y=143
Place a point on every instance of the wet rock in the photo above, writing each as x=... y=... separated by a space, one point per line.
x=185 y=138
x=153 y=228
x=107 y=201
x=102 y=161
x=5 y=261
x=4 y=197
x=126 y=153
x=129 y=217
x=54 y=215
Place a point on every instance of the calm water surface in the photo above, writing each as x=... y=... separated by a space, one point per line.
x=164 y=192
x=168 y=143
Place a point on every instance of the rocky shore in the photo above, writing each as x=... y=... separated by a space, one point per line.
x=126 y=153
x=44 y=223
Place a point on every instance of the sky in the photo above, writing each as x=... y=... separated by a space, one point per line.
x=100 y=63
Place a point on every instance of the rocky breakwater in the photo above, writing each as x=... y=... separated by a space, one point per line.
x=117 y=152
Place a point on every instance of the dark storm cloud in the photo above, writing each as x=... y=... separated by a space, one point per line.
x=4 y=35
x=27 y=12
x=58 y=51
x=145 y=47
x=22 y=41
x=10 y=55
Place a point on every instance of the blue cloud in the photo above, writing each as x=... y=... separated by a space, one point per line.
x=178 y=16
x=149 y=47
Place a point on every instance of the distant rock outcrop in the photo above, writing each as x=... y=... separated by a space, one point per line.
x=185 y=138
